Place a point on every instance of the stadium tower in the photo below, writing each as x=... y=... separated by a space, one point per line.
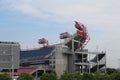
x=70 y=55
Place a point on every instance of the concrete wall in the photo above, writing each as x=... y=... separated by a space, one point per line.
x=61 y=63
x=7 y=51
x=65 y=60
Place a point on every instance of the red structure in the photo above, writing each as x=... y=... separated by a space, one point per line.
x=65 y=35
x=43 y=41
x=82 y=31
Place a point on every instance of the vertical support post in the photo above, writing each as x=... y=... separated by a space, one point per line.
x=105 y=62
x=80 y=69
x=12 y=63
x=97 y=63
x=72 y=45
x=82 y=63
x=89 y=64
x=73 y=56
x=52 y=60
x=36 y=75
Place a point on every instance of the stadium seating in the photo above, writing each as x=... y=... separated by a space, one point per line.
x=35 y=56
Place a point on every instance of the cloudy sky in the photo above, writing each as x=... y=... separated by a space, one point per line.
x=25 y=21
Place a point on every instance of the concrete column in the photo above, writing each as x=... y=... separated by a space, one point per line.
x=36 y=75
x=89 y=64
x=97 y=63
x=73 y=57
x=105 y=62
x=82 y=63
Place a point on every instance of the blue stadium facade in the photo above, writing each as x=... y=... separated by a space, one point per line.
x=36 y=57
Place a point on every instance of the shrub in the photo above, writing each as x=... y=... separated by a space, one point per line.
x=5 y=77
x=87 y=76
x=99 y=76
x=77 y=76
x=49 y=76
x=25 y=76
x=111 y=71
x=115 y=76
x=67 y=76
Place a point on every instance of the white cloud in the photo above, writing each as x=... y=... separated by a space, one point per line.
x=98 y=15
x=65 y=11
x=29 y=10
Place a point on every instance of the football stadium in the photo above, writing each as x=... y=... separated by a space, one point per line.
x=67 y=56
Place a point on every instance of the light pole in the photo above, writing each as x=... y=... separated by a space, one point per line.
x=12 y=63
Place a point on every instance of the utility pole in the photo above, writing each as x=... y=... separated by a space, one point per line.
x=12 y=63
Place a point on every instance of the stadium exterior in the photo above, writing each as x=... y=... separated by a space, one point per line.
x=63 y=57
x=69 y=56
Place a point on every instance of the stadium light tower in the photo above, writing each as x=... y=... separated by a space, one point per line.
x=43 y=41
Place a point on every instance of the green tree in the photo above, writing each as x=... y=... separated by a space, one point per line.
x=77 y=76
x=45 y=76
x=111 y=70
x=67 y=76
x=53 y=75
x=115 y=76
x=25 y=76
x=107 y=77
x=5 y=77
x=49 y=76
x=87 y=76
x=100 y=76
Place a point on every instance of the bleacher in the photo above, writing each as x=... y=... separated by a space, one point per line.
x=35 y=56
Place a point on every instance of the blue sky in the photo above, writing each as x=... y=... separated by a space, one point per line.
x=25 y=21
